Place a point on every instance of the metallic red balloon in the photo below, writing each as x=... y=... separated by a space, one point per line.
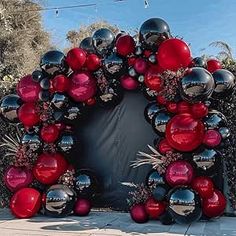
x=199 y=110
x=213 y=65
x=82 y=207
x=212 y=138
x=125 y=45
x=183 y=107
x=172 y=107
x=28 y=114
x=82 y=86
x=161 y=100
x=93 y=62
x=184 y=133
x=60 y=83
x=17 y=177
x=49 y=167
x=138 y=213
x=214 y=206
x=179 y=173
x=154 y=208
x=164 y=147
x=76 y=58
x=25 y=203
x=140 y=66
x=152 y=80
x=204 y=186
x=128 y=82
x=49 y=133
x=174 y=54
x=28 y=89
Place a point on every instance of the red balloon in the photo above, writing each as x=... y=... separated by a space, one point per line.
x=152 y=80
x=49 y=133
x=60 y=83
x=212 y=138
x=213 y=65
x=140 y=66
x=28 y=89
x=214 y=206
x=183 y=107
x=179 y=173
x=172 y=107
x=76 y=58
x=49 y=167
x=17 y=177
x=138 y=213
x=164 y=147
x=147 y=53
x=154 y=208
x=184 y=133
x=204 y=186
x=161 y=100
x=93 y=62
x=25 y=203
x=199 y=110
x=60 y=126
x=28 y=114
x=82 y=86
x=174 y=54
x=156 y=68
x=129 y=83
x=125 y=45
x=131 y=61
x=82 y=207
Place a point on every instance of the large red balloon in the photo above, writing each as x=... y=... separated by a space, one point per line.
x=174 y=54
x=184 y=133
x=17 y=177
x=82 y=86
x=60 y=83
x=179 y=173
x=152 y=80
x=25 y=203
x=93 y=62
x=82 y=207
x=76 y=58
x=125 y=45
x=128 y=82
x=138 y=213
x=154 y=208
x=213 y=65
x=28 y=89
x=214 y=206
x=49 y=133
x=28 y=114
x=204 y=186
x=49 y=167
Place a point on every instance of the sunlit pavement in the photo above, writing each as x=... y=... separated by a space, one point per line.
x=108 y=223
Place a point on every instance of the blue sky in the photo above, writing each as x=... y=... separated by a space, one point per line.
x=199 y=22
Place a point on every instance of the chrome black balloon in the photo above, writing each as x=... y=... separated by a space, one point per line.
x=141 y=78
x=198 y=85
x=225 y=132
x=150 y=110
x=44 y=95
x=60 y=200
x=45 y=83
x=9 y=106
x=32 y=140
x=37 y=75
x=215 y=120
x=159 y=122
x=199 y=62
x=59 y=100
x=132 y=72
x=154 y=178
x=184 y=205
x=66 y=142
x=87 y=45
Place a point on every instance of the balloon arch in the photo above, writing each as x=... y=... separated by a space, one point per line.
x=179 y=188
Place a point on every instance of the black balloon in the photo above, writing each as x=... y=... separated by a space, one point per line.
x=74 y=111
x=224 y=82
x=159 y=122
x=132 y=72
x=159 y=192
x=87 y=44
x=141 y=78
x=9 y=106
x=59 y=100
x=153 y=32
x=103 y=40
x=166 y=218
x=44 y=95
x=58 y=115
x=37 y=75
x=45 y=83
x=184 y=205
x=215 y=120
x=53 y=62
x=225 y=132
x=138 y=51
x=66 y=142
x=32 y=140
x=154 y=179
x=199 y=62
x=150 y=110
x=197 y=85
x=60 y=200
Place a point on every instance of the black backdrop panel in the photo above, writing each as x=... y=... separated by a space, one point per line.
x=109 y=140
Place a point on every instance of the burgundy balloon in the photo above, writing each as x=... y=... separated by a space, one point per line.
x=93 y=62
x=138 y=213
x=140 y=66
x=154 y=208
x=49 y=133
x=76 y=58
x=125 y=45
x=128 y=82
x=212 y=138
x=82 y=207
x=60 y=83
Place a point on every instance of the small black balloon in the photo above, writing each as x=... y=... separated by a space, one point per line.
x=184 y=205
x=138 y=51
x=37 y=75
x=74 y=111
x=159 y=192
x=44 y=95
x=225 y=132
x=141 y=78
x=166 y=218
x=154 y=178
x=159 y=122
x=199 y=62
x=32 y=140
x=150 y=110
x=87 y=45
x=66 y=142
x=132 y=72
x=60 y=100
x=45 y=83
x=215 y=120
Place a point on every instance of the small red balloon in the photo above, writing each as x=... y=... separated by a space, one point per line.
x=129 y=83
x=214 y=206
x=49 y=133
x=199 y=110
x=60 y=83
x=184 y=133
x=156 y=68
x=138 y=213
x=152 y=80
x=82 y=207
x=25 y=203
x=213 y=65
x=17 y=177
x=28 y=114
x=28 y=89
x=154 y=208
x=164 y=147
x=49 y=167
x=172 y=107
x=212 y=138
x=60 y=126
x=140 y=66
x=179 y=173
x=183 y=107
x=161 y=100
x=91 y=101
x=174 y=54
x=204 y=186
x=93 y=62
x=125 y=45
x=76 y=58
x=131 y=61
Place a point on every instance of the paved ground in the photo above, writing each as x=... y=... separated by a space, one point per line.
x=108 y=224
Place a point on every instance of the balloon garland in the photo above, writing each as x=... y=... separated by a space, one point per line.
x=179 y=188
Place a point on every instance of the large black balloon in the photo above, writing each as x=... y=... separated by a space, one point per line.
x=150 y=110
x=197 y=85
x=53 y=62
x=215 y=120
x=103 y=40
x=59 y=100
x=184 y=205
x=87 y=44
x=153 y=32
x=9 y=106
x=32 y=140
x=60 y=200
x=66 y=142
x=199 y=62
x=224 y=82
x=154 y=178
x=159 y=122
